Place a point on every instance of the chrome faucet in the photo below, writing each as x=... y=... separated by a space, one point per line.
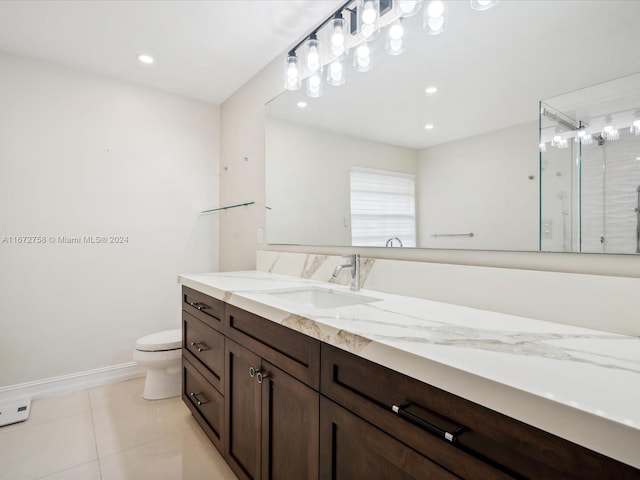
x=391 y=240
x=355 y=271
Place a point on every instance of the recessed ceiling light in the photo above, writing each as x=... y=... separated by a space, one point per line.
x=428 y=126
x=431 y=90
x=302 y=104
x=148 y=59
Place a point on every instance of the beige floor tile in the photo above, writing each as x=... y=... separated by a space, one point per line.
x=119 y=429
x=53 y=408
x=86 y=471
x=119 y=395
x=40 y=450
x=187 y=455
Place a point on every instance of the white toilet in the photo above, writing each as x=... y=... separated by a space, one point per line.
x=160 y=353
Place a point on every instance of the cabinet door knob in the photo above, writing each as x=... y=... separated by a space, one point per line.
x=199 y=401
x=260 y=376
x=252 y=372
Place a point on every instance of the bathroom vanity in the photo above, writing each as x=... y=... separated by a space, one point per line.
x=299 y=379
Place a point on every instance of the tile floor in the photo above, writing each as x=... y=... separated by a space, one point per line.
x=109 y=433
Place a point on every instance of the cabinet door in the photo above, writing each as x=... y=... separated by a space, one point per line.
x=243 y=412
x=351 y=448
x=290 y=427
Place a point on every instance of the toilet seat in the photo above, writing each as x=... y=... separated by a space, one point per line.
x=161 y=341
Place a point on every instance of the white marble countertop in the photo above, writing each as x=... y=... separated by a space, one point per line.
x=580 y=384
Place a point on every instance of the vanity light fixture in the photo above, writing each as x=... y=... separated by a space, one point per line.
x=408 y=8
x=314 y=85
x=583 y=138
x=481 y=5
x=394 y=44
x=335 y=73
x=144 y=58
x=338 y=39
x=610 y=133
x=431 y=90
x=558 y=142
x=362 y=58
x=368 y=16
x=350 y=29
x=312 y=55
x=292 y=75
x=434 y=17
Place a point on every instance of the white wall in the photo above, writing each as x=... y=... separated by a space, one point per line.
x=454 y=198
x=82 y=155
x=308 y=173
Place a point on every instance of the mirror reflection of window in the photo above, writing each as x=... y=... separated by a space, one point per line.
x=383 y=208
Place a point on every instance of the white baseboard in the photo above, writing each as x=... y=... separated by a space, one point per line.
x=51 y=387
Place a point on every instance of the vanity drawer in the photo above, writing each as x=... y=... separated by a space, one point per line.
x=488 y=445
x=291 y=351
x=208 y=309
x=204 y=401
x=203 y=344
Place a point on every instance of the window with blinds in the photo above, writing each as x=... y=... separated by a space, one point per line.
x=383 y=206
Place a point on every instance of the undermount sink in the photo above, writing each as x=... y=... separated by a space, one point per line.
x=322 y=297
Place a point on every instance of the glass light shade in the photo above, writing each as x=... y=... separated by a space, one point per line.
x=434 y=25
x=362 y=58
x=337 y=29
x=394 y=44
x=368 y=14
x=312 y=60
x=407 y=8
x=314 y=85
x=559 y=142
x=635 y=128
x=481 y=5
x=542 y=147
x=583 y=137
x=292 y=74
x=435 y=9
x=434 y=21
x=335 y=73
x=611 y=134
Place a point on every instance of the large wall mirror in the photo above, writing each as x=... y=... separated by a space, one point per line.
x=379 y=161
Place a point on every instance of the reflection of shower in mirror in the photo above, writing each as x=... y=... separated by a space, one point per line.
x=594 y=189
x=565 y=214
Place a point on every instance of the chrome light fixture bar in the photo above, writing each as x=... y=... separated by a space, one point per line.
x=352 y=27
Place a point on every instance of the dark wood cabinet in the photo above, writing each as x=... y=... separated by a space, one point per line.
x=290 y=427
x=205 y=402
x=488 y=445
x=351 y=448
x=280 y=405
x=272 y=420
x=243 y=405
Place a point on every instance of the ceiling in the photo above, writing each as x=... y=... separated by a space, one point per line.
x=204 y=49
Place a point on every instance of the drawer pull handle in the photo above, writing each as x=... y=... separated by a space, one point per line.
x=201 y=347
x=252 y=372
x=198 y=400
x=199 y=305
x=450 y=435
x=261 y=376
